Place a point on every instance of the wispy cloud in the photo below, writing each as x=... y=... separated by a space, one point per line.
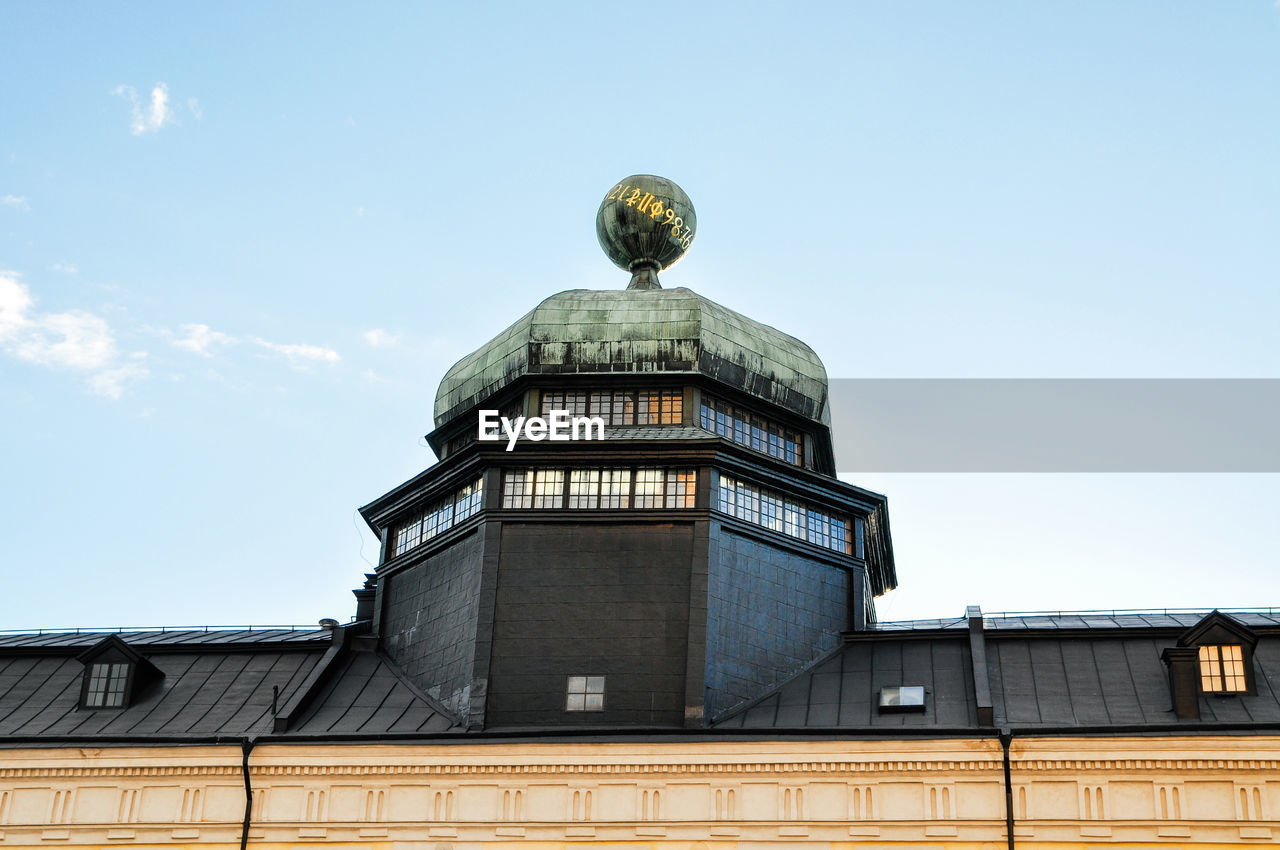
x=199 y=339
x=302 y=356
x=16 y=202
x=378 y=338
x=194 y=106
x=151 y=116
x=112 y=382
x=75 y=340
x=65 y=268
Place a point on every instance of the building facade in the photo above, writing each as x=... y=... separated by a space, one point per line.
x=661 y=636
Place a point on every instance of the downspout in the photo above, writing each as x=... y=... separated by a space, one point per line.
x=246 y=747
x=1006 y=737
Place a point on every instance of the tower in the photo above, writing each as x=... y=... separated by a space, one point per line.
x=695 y=552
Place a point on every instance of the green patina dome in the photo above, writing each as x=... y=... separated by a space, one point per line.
x=584 y=331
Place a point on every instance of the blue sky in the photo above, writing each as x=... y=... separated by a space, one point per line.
x=241 y=244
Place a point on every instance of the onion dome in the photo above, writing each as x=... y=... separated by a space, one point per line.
x=585 y=331
x=645 y=224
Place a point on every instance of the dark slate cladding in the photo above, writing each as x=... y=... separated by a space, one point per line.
x=430 y=622
x=770 y=612
x=600 y=600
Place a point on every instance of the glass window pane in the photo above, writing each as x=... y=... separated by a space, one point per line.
x=584 y=488
x=681 y=488
x=649 y=488
x=517 y=488
x=548 y=487
x=615 y=488
x=672 y=408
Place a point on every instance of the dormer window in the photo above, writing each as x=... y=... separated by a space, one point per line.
x=1215 y=657
x=1222 y=669
x=115 y=674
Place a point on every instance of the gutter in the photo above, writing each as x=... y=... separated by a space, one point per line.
x=246 y=747
x=1006 y=738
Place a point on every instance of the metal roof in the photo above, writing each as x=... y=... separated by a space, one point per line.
x=1114 y=677
x=215 y=684
x=584 y=331
x=176 y=636
x=843 y=690
x=1058 y=620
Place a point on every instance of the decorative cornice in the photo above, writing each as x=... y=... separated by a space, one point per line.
x=810 y=768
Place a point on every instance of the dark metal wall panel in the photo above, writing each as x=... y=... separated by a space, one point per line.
x=1083 y=683
x=855 y=686
x=601 y=599
x=954 y=703
x=430 y=621
x=1053 y=692
x=1149 y=679
x=1266 y=678
x=770 y=612
x=1017 y=682
x=1118 y=691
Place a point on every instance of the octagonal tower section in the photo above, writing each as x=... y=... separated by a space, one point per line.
x=698 y=555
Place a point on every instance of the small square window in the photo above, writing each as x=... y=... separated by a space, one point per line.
x=585 y=693
x=902 y=698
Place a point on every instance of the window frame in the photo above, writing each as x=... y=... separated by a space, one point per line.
x=607 y=488
x=1219 y=629
x=586 y=692
x=125 y=686
x=1219 y=672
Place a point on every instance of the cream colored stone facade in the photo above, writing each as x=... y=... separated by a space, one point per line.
x=1067 y=792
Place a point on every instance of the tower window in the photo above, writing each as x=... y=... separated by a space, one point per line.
x=620 y=407
x=438 y=517
x=1222 y=669
x=107 y=685
x=585 y=693
x=599 y=488
x=755 y=432
x=759 y=506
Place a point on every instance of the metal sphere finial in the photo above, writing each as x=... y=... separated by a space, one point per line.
x=645 y=224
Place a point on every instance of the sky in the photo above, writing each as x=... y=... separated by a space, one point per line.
x=241 y=243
